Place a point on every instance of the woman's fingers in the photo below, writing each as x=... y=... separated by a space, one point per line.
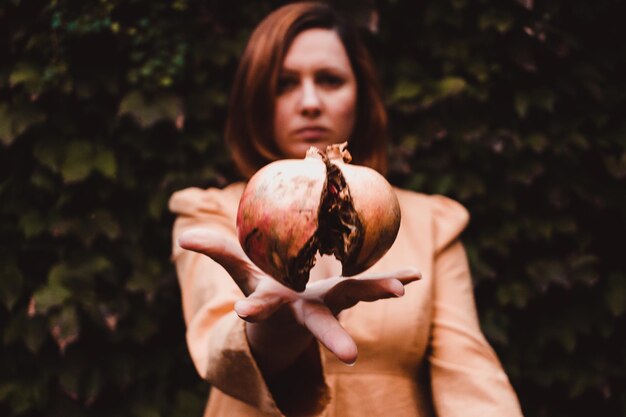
x=405 y=275
x=225 y=251
x=255 y=308
x=321 y=322
x=351 y=291
x=267 y=298
x=324 y=299
x=369 y=287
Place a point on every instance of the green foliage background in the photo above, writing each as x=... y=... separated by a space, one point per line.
x=514 y=108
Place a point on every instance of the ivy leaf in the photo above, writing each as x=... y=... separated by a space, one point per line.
x=80 y=382
x=91 y=387
x=6 y=389
x=537 y=142
x=522 y=56
x=69 y=379
x=16 y=119
x=11 y=283
x=105 y=163
x=144 y=327
x=98 y=223
x=30 y=330
x=78 y=162
x=526 y=172
x=109 y=317
x=442 y=89
x=147 y=112
x=120 y=368
x=157 y=204
x=616 y=165
x=521 y=104
x=104 y=223
x=145 y=269
x=145 y=410
x=451 y=86
x=80 y=273
x=405 y=90
x=615 y=295
x=495 y=326
x=566 y=336
x=189 y=403
x=27 y=74
x=32 y=223
x=544 y=99
x=14 y=328
x=583 y=269
x=82 y=158
x=43 y=180
x=50 y=296
x=64 y=327
x=547 y=272
x=515 y=293
x=494 y=20
x=34 y=333
x=50 y=153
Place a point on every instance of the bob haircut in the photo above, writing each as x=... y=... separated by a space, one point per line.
x=249 y=124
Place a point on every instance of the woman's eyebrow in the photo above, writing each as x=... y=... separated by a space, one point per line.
x=323 y=68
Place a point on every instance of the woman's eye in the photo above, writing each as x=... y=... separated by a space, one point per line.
x=286 y=84
x=330 y=80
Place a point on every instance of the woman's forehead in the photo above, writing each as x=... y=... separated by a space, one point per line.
x=316 y=47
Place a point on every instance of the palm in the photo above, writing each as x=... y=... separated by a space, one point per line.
x=315 y=308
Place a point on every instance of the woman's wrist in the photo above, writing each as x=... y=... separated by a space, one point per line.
x=276 y=343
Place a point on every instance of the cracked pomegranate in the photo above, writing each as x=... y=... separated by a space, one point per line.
x=294 y=208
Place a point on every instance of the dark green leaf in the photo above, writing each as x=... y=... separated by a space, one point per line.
x=34 y=333
x=27 y=74
x=65 y=327
x=50 y=296
x=11 y=284
x=405 y=90
x=32 y=223
x=78 y=162
x=615 y=295
x=15 y=119
x=146 y=112
x=105 y=163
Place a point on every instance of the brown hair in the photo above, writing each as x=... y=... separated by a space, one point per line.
x=249 y=129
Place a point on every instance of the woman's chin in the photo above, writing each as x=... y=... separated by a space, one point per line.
x=299 y=150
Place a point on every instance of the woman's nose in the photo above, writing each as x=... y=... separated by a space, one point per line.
x=311 y=104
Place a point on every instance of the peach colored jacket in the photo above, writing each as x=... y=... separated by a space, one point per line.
x=419 y=355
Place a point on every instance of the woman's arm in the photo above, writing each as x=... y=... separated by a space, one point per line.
x=467 y=377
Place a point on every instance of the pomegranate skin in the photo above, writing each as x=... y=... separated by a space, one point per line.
x=378 y=209
x=292 y=209
x=277 y=213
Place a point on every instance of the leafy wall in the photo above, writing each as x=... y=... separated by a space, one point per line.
x=514 y=108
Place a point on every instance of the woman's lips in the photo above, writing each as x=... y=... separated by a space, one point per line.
x=311 y=133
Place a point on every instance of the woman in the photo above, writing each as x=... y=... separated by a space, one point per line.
x=305 y=79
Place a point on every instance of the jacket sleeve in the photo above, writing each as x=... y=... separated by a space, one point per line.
x=466 y=376
x=216 y=336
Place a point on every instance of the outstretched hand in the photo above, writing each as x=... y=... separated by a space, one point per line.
x=315 y=308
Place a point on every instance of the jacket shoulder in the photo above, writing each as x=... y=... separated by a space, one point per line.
x=196 y=201
x=446 y=217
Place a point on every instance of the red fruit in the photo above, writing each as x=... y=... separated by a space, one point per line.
x=293 y=208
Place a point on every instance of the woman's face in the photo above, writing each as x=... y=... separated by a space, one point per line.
x=317 y=94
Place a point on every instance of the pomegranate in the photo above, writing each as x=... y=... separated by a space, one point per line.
x=294 y=208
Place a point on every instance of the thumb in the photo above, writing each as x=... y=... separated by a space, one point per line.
x=226 y=251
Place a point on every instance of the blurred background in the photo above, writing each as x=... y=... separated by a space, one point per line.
x=515 y=108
